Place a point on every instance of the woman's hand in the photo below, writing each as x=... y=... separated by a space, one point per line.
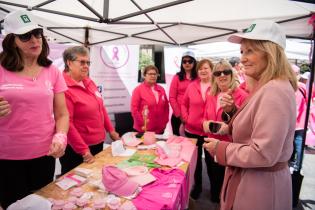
x=205 y=126
x=58 y=145
x=224 y=129
x=114 y=135
x=88 y=157
x=211 y=145
x=5 y=108
x=227 y=101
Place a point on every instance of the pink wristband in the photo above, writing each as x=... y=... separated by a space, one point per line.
x=60 y=138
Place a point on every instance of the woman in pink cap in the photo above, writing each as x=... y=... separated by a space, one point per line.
x=33 y=114
x=178 y=86
x=257 y=175
x=149 y=104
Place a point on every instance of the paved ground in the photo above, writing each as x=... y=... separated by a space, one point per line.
x=307 y=195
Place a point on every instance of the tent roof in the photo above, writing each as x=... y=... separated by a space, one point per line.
x=173 y=22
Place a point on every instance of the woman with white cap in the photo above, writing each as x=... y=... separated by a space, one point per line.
x=33 y=115
x=257 y=174
x=178 y=87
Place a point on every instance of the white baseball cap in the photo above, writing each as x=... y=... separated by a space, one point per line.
x=19 y=22
x=262 y=30
x=189 y=53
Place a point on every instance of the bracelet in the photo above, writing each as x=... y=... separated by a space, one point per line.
x=61 y=138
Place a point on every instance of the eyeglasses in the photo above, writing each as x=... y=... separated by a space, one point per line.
x=224 y=72
x=82 y=62
x=153 y=74
x=187 y=61
x=37 y=33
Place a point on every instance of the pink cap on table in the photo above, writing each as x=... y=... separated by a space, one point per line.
x=116 y=181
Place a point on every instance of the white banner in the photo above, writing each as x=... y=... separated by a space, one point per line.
x=114 y=68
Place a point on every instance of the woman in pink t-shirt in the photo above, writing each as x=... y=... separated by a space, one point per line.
x=33 y=115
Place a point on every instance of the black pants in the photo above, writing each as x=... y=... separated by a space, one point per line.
x=19 y=178
x=216 y=175
x=175 y=122
x=198 y=172
x=71 y=159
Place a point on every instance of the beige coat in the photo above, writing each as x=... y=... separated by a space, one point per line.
x=262 y=137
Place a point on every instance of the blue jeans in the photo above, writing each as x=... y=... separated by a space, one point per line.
x=296 y=158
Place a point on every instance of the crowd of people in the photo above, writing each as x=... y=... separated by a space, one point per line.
x=242 y=113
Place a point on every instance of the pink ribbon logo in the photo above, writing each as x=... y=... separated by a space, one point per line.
x=115 y=54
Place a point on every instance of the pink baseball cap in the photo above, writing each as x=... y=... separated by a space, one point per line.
x=116 y=181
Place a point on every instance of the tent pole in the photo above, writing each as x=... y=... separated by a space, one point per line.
x=86 y=37
x=309 y=97
x=106 y=9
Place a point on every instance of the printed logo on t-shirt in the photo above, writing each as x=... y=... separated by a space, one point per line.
x=48 y=85
x=11 y=86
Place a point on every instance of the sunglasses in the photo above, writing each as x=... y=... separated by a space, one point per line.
x=82 y=62
x=37 y=33
x=224 y=72
x=187 y=61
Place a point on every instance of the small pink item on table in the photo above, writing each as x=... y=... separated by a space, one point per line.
x=58 y=204
x=149 y=138
x=81 y=202
x=88 y=208
x=113 y=202
x=69 y=206
x=99 y=204
x=72 y=199
x=77 y=192
x=128 y=205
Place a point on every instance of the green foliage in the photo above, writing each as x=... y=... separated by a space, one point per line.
x=145 y=60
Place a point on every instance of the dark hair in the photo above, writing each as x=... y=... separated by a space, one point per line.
x=11 y=58
x=181 y=74
x=150 y=67
x=234 y=61
x=71 y=54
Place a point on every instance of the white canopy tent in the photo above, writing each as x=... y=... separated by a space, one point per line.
x=171 y=22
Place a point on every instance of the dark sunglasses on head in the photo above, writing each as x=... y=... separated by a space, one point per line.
x=190 y=61
x=225 y=72
x=37 y=33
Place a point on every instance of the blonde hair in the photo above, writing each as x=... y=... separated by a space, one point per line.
x=278 y=66
x=233 y=83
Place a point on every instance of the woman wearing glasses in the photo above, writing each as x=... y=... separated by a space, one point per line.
x=33 y=115
x=149 y=104
x=194 y=102
x=88 y=116
x=178 y=87
x=223 y=82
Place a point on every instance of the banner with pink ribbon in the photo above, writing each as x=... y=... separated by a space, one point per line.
x=114 y=68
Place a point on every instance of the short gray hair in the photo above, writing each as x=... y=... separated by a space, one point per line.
x=71 y=54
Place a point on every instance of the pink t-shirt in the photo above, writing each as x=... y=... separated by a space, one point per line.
x=27 y=131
